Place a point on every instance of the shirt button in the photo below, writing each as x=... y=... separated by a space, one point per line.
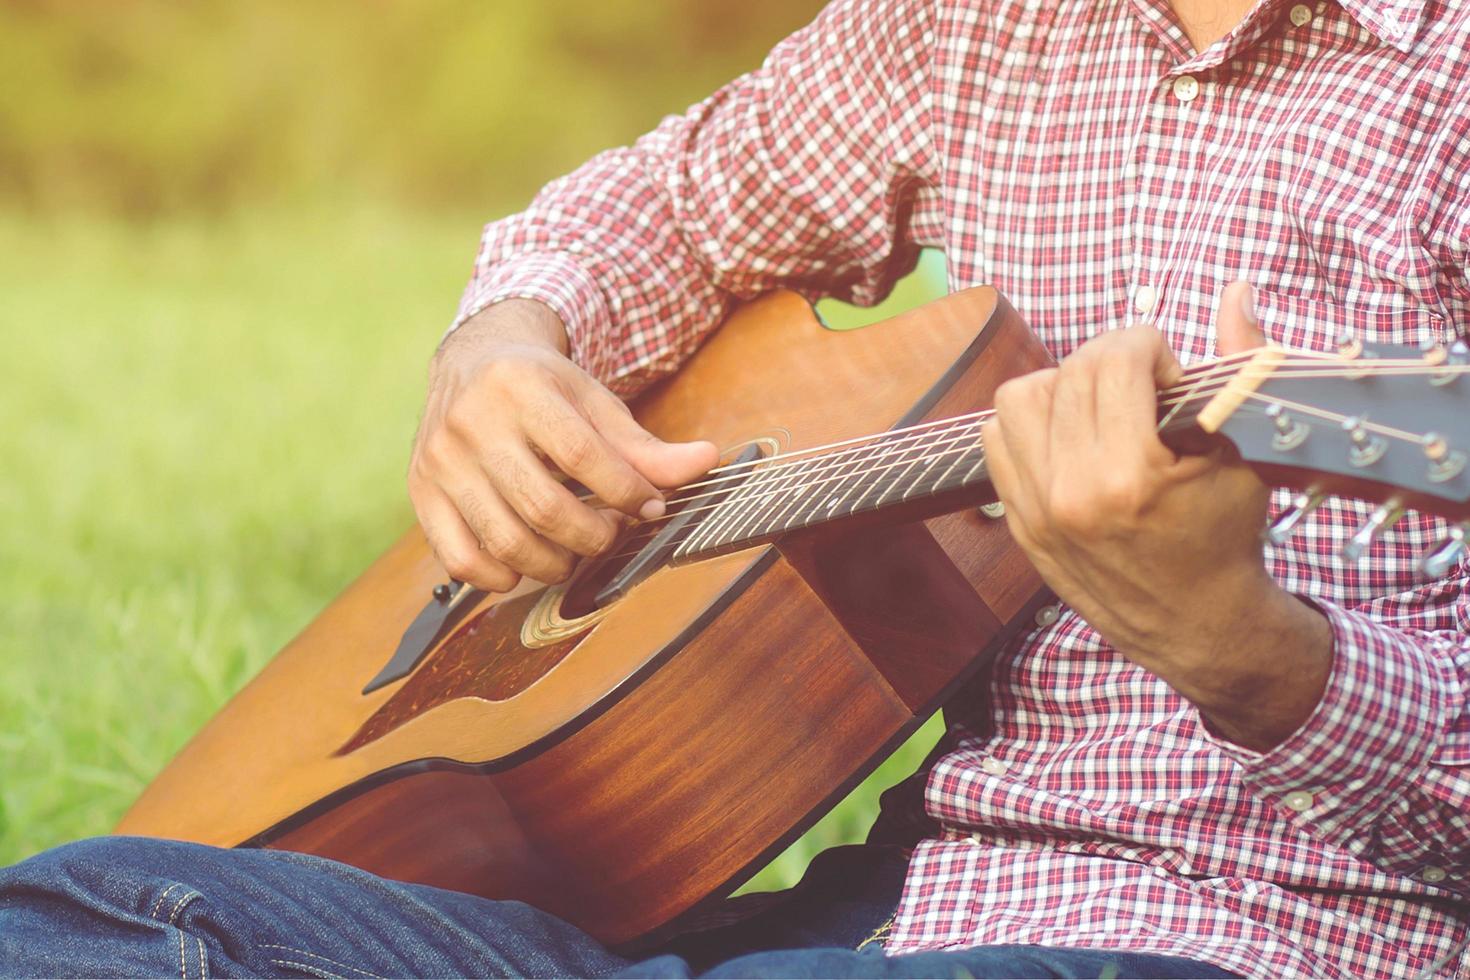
x=1301 y=15
x=1186 y=88
x=1145 y=299
x=994 y=766
x=1047 y=615
x=1299 y=800
x=1433 y=876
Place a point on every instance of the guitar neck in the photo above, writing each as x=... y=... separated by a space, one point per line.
x=912 y=473
x=921 y=472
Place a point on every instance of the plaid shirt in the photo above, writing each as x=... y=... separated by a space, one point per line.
x=1079 y=155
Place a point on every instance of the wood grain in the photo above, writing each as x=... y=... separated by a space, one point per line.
x=715 y=712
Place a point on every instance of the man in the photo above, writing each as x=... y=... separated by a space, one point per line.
x=1211 y=763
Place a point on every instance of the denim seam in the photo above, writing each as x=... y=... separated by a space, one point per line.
x=179 y=907
x=153 y=912
x=314 y=970
x=183 y=971
x=319 y=956
x=203 y=965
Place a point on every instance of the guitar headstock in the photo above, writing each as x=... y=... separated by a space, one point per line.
x=1381 y=422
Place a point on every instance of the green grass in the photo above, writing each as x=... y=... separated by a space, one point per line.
x=203 y=429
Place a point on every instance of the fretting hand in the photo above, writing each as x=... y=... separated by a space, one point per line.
x=506 y=407
x=1161 y=553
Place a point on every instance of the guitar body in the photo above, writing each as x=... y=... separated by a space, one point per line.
x=617 y=772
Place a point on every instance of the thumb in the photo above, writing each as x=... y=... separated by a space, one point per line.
x=664 y=464
x=1236 y=326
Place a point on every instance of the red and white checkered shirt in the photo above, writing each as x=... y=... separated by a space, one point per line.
x=1079 y=155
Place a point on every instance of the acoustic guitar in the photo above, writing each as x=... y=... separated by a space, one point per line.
x=619 y=749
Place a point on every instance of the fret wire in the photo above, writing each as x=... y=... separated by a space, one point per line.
x=787 y=493
x=710 y=540
x=896 y=477
x=821 y=505
x=737 y=500
x=912 y=446
x=1211 y=371
x=835 y=496
x=908 y=433
x=948 y=469
x=800 y=507
x=866 y=444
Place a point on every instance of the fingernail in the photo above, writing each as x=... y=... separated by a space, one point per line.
x=1248 y=305
x=651 y=509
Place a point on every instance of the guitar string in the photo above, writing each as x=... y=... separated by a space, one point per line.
x=937 y=428
x=1212 y=366
x=959 y=453
x=941 y=454
x=798 y=456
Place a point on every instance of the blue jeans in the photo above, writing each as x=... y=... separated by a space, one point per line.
x=139 y=907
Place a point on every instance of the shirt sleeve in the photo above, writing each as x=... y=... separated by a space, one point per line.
x=1382 y=767
x=801 y=174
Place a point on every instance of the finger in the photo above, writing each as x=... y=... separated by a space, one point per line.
x=574 y=444
x=1236 y=326
x=1023 y=412
x=546 y=506
x=1131 y=371
x=665 y=464
x=504 y=535
x=1001 y=468
x=455 y=545
x=1074 y=423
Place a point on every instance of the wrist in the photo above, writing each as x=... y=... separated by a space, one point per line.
x=1266 y=675
x=510 y=321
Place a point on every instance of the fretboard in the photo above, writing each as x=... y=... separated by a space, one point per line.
x=936 y=462
x=903 y=467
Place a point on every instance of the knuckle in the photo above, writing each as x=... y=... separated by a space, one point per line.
x=592 y=539
x=434 y=453
x=458 y=563
x=576 y=449
x=1073 y=514
x=543 y=509
x=460 y=417
x=511 y=547
x=558 y=570
x=500 y=579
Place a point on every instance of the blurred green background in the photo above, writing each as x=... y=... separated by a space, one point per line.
x=231 y=234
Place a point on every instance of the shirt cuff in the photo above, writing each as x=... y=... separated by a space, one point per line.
x=555 y=278
x=1381 y=718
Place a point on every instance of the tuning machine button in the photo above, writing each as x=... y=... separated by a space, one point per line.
x=1367 y=447
x=1437 y=561
x=1350 y=348
x=1444 y=463
x=1301 y=505
x=1289 y=432
x=1450 y=361
x=1383 y=517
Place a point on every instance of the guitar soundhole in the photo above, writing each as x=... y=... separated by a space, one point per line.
x=596 y=574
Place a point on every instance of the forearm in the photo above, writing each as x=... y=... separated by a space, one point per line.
x=1253 y=658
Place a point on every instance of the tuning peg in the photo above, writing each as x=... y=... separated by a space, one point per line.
x=1301 y=505
x=1349 y=347
x=1367 y=448
x=1450 y=361
x=1289 y=432
x=1444 y=463
x=1437 y=561
x=1382 y=517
